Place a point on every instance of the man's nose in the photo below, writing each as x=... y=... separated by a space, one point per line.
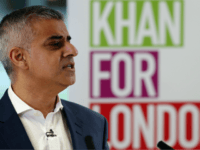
x=70 y=50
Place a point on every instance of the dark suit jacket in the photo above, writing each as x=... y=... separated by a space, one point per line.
x=80 y=120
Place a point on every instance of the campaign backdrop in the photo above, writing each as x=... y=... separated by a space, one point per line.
x=139 y=66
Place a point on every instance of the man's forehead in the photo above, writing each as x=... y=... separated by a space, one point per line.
x=50 y=27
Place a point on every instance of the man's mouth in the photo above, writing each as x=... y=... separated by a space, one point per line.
x=69 y=66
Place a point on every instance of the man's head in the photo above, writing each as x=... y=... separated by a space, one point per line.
x=35 y=43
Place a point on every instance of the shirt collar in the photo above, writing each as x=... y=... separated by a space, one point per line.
x=20 y=106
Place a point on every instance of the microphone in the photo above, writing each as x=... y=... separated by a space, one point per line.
x=162 y=145
x=51 y=133
x=89 y=143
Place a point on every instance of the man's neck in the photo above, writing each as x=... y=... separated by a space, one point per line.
x=41 y=101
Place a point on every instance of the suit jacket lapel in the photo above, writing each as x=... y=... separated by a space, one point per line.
x=11 y=128
x=75 y=125
x=15 y=136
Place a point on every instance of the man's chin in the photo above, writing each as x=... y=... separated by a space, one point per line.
x=67 y=81
x=71 y=81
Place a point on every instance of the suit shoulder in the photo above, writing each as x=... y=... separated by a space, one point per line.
x=82 y=110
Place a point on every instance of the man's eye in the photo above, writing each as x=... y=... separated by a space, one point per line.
x=55 y=44
x=58 y=44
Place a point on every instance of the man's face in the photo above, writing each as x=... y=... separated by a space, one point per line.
x=51 y=51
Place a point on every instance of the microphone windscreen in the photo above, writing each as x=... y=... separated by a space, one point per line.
x=89 y=143
x=163 y=146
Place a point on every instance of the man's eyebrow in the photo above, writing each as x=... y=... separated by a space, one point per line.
x=57 y=37
x=54 y=37
x=69 y=38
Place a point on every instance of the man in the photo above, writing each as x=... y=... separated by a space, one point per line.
x=38 y=57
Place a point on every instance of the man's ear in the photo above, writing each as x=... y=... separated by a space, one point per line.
x=18 y=57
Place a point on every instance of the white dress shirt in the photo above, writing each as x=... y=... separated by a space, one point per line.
x=36 y=125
